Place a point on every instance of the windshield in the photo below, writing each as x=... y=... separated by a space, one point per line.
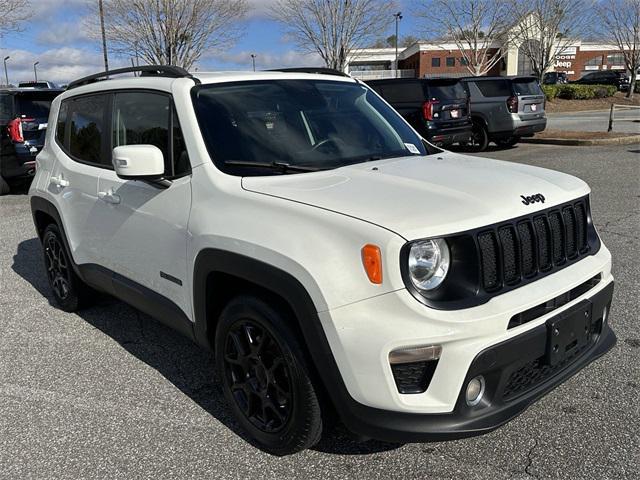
x=443 y=90
x=35 y=104
x=526 y=87
x=306 y=123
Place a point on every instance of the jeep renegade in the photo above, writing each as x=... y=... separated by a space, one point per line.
x=335 y=262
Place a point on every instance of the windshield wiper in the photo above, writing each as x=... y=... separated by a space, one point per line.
x=282 y=166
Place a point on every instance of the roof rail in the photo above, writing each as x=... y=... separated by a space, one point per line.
x=145 y=70
x=318 y=70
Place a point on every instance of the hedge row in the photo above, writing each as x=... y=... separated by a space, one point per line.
x=578 y=92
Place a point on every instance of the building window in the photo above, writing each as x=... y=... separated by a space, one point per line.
x=464 y=61
x=594 y=61
x=615 y=58
x=435 y=62
x=451 y=61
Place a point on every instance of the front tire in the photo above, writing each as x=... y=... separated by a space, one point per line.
x=265 y=378
x=69 y=291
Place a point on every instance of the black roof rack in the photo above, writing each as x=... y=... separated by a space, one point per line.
x=144 y=70
x=318 y=70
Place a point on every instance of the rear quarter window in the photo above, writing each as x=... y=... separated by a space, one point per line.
x=494 y=88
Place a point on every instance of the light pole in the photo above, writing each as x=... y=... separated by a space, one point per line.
x=6 y=75
x=398 y=17
x=35 y=70
x=253 y=60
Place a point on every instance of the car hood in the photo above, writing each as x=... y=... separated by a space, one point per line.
x=424 y=196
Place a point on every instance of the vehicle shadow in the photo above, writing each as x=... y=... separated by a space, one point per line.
x=176 y=358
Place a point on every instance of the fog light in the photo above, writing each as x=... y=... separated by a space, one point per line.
x=475 y=391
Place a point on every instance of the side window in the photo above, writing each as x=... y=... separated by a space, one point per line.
x=86 y=126
x=61 y=124
x=399 y=92
x=6 y=107
x=494 y=88
x=148 y=118
x=142 y=118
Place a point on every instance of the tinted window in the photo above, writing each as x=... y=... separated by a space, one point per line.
x=526 y=87
x=35 y=104
x=86 y=126
x=398 y=92
x=312 y=123
x=62 y=123
x=145 y=119
x=6 y=104
x=446 y=89
x=494 y=88
x=435 y=62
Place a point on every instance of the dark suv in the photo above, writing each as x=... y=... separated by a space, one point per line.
x=504 y=109
x=616 y=78
x=437 y=108
x=23 y=122
x=555 y=78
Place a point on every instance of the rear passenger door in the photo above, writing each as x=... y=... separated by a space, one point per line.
x=489 y=99
x=143 y=226
x=81 y=154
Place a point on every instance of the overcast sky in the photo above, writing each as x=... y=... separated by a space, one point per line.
x=55 y=37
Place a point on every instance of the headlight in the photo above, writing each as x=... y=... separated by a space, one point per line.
x=428 y=263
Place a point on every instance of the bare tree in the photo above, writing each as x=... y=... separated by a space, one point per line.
x=334 y=29
x=543 y=28
x=622 y=21
x=170 y=32
x=12 y=14
x=477 y=27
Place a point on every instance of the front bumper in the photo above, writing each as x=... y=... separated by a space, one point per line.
x=499 y=364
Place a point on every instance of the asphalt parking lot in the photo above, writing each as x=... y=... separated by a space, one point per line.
x=110 y=393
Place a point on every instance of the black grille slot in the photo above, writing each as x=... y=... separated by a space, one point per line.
x=527 y=248
x=530 y=247
x=570 y=231
x=557 y=234
x=510 y=261
x=489 y=260
x=543 y=235
x=581 y=227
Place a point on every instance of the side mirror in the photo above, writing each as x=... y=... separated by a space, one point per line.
x=138 y=162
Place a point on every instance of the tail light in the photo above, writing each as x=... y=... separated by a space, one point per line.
x=15 y=129
x=512 y=104
x=427 y=109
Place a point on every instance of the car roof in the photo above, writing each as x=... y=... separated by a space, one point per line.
x=506 y=77
x=29 y=89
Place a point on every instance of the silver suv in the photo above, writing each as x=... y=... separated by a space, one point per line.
x=504 y=109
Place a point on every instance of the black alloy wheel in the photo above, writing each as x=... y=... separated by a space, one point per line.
x=479 y=138
x=265 y=376
x=258 y=376
x=57 y=267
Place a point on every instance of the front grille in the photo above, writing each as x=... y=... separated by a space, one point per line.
x=526 y=248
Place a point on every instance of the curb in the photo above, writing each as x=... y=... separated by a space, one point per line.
x=630 y=140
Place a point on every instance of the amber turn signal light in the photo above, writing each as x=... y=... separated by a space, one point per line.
x=372 y=261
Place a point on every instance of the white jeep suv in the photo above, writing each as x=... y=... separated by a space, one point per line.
x=335 y=262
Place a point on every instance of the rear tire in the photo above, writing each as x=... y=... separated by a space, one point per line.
x=507 y=142
x=69 y=291
x=479 y=138
x=265 y=378
x=4 y=186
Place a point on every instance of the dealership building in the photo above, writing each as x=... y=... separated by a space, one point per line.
x=442 y=59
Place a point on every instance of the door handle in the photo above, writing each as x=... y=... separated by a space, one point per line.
x=59 y=181
x=109 y=197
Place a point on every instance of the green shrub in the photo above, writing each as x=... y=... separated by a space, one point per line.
x=578 y=92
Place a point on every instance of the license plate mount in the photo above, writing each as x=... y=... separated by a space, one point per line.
x=568 y=333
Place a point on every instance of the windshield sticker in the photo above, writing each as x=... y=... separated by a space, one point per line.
x=412 y=148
